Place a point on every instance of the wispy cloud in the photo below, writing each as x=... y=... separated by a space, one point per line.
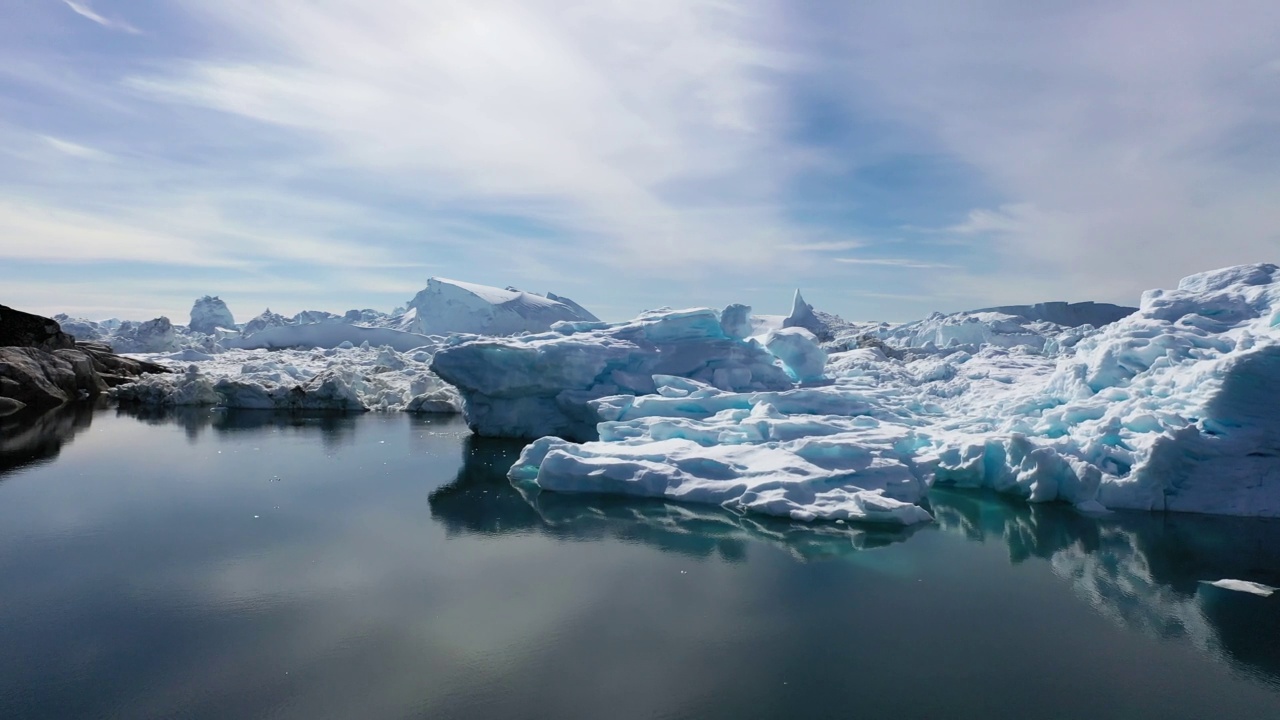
x=689 y=151
x=841 y=246
x=75 y=149
x=892 y=262
x=623 y=122
x=83 y=10
x=1109 y=130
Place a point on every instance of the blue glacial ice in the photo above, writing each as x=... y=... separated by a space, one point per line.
x=1170 y=408
x=535 y=385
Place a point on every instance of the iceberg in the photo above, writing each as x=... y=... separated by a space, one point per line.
x=352 y=378
x=1170 y=408
x=857 y=476
x=158 y=335
x=210 y=313
x=329 y=335
x=449 y=306
x=536 y=385
x=1066 y=314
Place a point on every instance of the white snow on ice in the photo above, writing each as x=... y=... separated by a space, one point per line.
x=1171 y=408
x=344 y=378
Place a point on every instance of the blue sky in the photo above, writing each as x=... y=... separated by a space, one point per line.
x=889 y=158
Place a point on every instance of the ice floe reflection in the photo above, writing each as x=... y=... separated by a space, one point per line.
x=482 y=500
x=1145 y=571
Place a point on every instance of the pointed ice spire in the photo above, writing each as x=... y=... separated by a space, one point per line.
x=802 y=316
x=801 y=313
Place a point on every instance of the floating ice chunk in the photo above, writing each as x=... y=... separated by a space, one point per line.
x=1245 y=586
x=848 y=480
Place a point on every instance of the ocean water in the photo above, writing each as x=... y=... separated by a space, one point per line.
x=253 y=565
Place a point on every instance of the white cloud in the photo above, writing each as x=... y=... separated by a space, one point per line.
x=83 y=10
x=892 y=262
x=617 y=123
x=836 y=246
x=1134 y=142
x=30 y=231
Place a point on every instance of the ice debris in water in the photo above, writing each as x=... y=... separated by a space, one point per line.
x=1245 y=586
x=1169 y=408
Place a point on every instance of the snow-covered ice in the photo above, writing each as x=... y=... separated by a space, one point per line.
x=536 y=385
x=209 y=314
x=449 y=306
x=329 y=335
x=1170 y=408
x=352 y=378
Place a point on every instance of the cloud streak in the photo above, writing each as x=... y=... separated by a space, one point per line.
x=83 y=10
x=619 y=125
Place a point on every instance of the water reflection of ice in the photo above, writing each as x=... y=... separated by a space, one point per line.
x=1145 y=570
x=482 y=500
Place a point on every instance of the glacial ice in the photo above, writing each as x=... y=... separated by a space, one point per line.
x=210 y=313
x=807 y=416
x=536 y=385
x=1066 y=314
x=356 y=378
x=329 y=335
x=1170 y=408
x=449 y=306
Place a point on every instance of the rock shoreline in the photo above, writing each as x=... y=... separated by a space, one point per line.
x=41 y=366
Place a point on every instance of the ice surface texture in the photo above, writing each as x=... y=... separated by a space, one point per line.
x=538 y=385
x=449 y=306
x=1170 y=408
x=210 y=313
x=350 y=378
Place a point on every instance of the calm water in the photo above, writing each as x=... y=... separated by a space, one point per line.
x=220 y=565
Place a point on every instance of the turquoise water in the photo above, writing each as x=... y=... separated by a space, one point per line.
x=249 y=565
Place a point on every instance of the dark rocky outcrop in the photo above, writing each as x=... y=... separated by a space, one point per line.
x=41 y=366
x=20 y=329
